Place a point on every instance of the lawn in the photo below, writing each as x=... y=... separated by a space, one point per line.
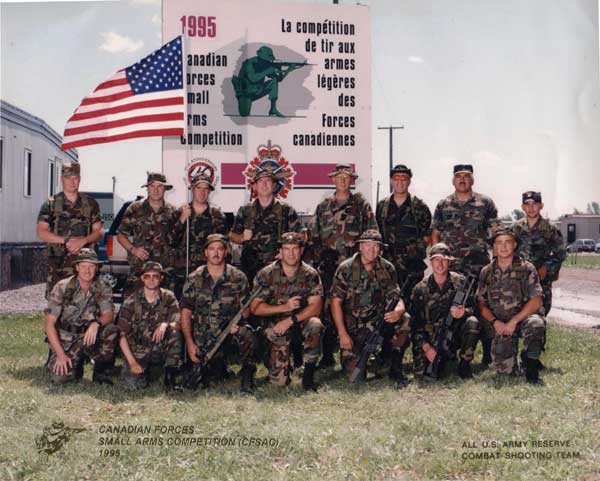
x=591 y=261
x=440 y=432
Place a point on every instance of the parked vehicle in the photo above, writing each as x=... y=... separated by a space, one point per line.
x=598 y=246
x=583 y=245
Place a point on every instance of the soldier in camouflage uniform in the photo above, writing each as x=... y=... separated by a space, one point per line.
x=293 y=296
x=150 y=331
x=203 y=219
x=259 y=224
x=431 y=302
x=79 y=324
x=510 y=300
x=540 y=243
x=212 y=296
x=338 y=223
x=68 y=222
x=465 y=221
x=362 y=287
x=145 y=233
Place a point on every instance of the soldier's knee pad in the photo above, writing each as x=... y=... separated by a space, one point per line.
x=472 y=325
x=536 y=321
x=313 y=325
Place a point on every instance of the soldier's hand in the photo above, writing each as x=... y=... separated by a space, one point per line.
x=136 y=368
x=457 y=311
x=159 y=332
x=543 y=272
x=293 y=303
x=247 y=234
x=89 y=338
x=392 y=316
x=63 y=364
x=234 y=330
x=430 y=354
x=193 y=353
x=282 y=326
x=509 y=328
x=346 y=342
x=186 y=211
x=500 y=328
x=75 y=244
x=140 y=253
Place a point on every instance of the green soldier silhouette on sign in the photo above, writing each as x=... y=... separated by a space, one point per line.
x=260 y=76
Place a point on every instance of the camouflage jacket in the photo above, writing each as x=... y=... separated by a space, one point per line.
x=506 y=292
x=403 y=228
x=465 y=226
x=541 y=244
x=339 y=226
x=148 y=229
x=213 y=304
x=211 y=221
x=364 y=294
x=138 y=317
x=431 y=304
x=74 y=309
x=67 y=219
x=266 y=225
x=281 y=288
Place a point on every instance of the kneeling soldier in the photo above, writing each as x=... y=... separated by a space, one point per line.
x=293 y=296
x=150 y=331
x=510 y=299
x=432 y=300
x=79 y=324
x=361 y=288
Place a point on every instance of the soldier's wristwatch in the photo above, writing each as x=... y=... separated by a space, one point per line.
x=67 y=239
x=97 y=322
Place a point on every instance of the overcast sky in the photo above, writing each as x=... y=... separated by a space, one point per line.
x=510 y=86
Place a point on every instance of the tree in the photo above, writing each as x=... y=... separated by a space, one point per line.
x=517 y=214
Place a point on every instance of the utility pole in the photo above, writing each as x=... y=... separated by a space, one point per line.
x=391 y=129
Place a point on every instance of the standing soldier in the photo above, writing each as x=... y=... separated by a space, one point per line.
x=150 y=331
x=338 y=223
x=144 y=233
x=362 y=287
x=510 y=300
x=259 y=224
x=465 y=221
x=292 y=296
x=68 y=222
x=204 y=219
x=212 y=296
x=79 y=324
x=431 y=302
x=540 y=243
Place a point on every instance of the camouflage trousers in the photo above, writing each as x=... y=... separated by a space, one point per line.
x=278 y=348
x=547 y=296
x=245 y=339
x=465 y=337
x=359 y=334
x=505 y=348
x=103 y=350
x=58 y=269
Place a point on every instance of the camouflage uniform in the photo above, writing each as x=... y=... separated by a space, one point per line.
x=430 y=305
x=74 y=312
x=505 y=293
x=149 y=229
x=214 y=304
x=67 y=220
x=364 y=296
x=267 y=225
x=279 y=290
x=138 y=319
x=541 y=244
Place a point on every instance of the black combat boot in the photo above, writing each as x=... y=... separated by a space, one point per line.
x=532 y=371
x=464 y=369
x=486 y=360
x=308 y=377
x=329 y=342
x=247 y=379
x=171 y=382
x=102 y=373
x=396 y=369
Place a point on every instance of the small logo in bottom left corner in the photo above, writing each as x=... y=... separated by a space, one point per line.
x=55 y=437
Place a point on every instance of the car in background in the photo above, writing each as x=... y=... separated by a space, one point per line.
x=598 y=246
x=583 y=245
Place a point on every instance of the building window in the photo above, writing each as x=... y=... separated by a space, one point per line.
x=51 y=178
x=1 y=162
x=57 y=169
x=27 y=174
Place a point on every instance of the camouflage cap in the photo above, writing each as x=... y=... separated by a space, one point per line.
x=291 y=238
x=201 y=178
x=158 y=177
x=343 y=169
x=401 y=169
x=371 y=235
x=216 y=238
x=152 y=266
x=463 y=169
x=504 y=231
x=87 y=255
x=440 y=250
x=532 y=196
x=70 y=168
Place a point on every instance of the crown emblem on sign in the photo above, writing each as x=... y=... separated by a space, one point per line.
x=269 y=152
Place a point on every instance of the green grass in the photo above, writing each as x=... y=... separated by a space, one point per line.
x=341 y=433
x=586 y=261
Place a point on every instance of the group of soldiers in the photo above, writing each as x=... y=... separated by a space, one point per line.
x=313 y=290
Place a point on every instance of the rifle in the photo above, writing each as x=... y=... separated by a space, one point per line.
x=373 y=340
x=444 y=337
x=198 y=371
x=280 y=64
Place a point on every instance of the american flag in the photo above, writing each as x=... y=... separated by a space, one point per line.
x=143 y=100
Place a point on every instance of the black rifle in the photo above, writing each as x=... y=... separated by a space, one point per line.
x=296 y=344
x=444 y=337
x=198 y=371
x=374 y=339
